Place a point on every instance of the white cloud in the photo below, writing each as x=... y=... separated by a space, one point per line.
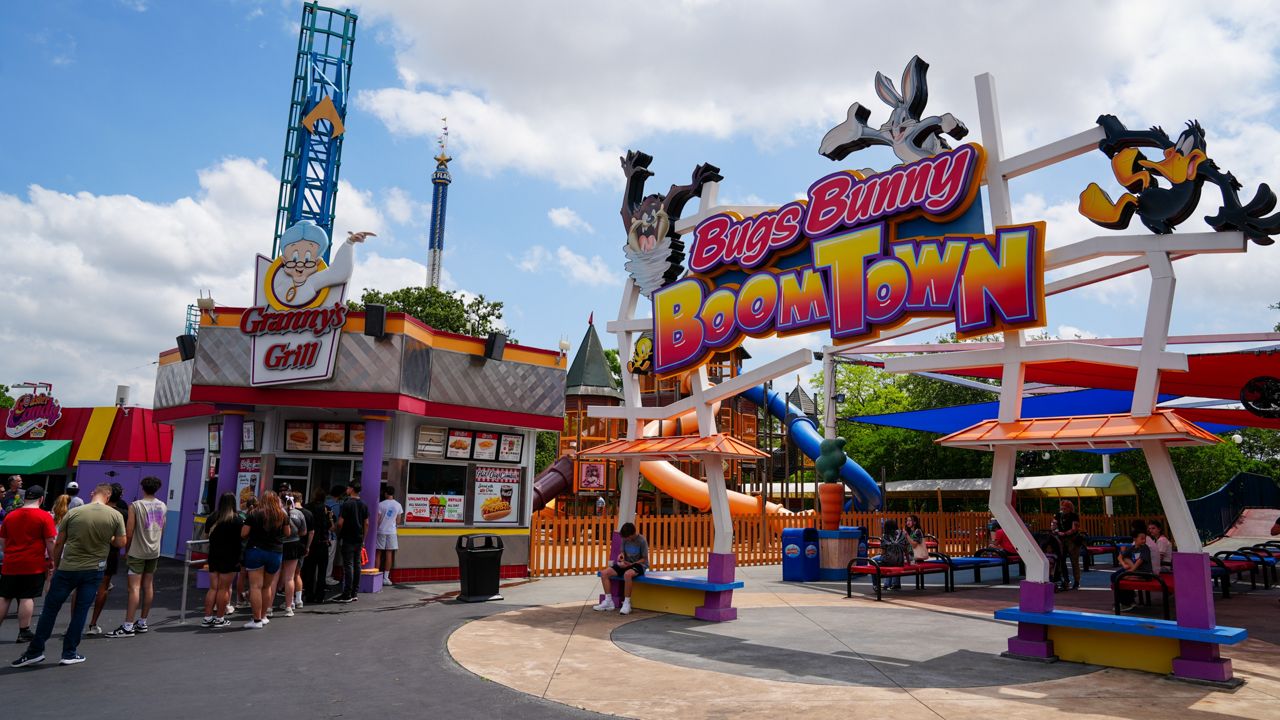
x=556 y=89
x=586 y=270
x=565 y=218
x=533 y=259
x=575 y=268
x=1071 y=332
x=103 y=281
x=399 y=205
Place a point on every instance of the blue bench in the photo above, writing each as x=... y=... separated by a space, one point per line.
x=690 y=582
x=1157 y=646
x=1222 y=635
x=690 y=595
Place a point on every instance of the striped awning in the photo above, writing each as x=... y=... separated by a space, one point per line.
x=681 y=447
x=1077 y=433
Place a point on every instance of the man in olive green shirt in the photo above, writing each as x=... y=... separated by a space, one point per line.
x=79 y=556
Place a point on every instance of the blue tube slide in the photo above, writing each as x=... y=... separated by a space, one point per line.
x=804 y=432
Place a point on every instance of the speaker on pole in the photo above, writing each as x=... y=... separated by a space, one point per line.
x=494 y=345
x=187 y=347
x=375 y=321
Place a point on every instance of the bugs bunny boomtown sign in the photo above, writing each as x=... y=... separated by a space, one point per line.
x=863 y=252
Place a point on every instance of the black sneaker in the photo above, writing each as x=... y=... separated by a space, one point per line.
x=26 y=636
x=120 y=632
x=343 y=599
x=207 y=622
x=74 y=659
x=140 y=626
x=27 y=659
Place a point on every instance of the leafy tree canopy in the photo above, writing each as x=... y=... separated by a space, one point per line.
x=441 y=309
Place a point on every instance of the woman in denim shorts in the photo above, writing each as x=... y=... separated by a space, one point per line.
x=266 y=527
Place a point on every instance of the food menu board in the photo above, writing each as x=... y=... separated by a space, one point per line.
x=430 y=442
x=486 y=447
x=497 y=494
x=510 y=448
x=215 y=437
x=331 y=437
x=434 y=508
x=250 y=435
x=459 y=447
x=355 y=438
x=247 y=478
x=299 y=436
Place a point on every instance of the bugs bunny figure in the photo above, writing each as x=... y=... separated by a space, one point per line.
x=911 y=137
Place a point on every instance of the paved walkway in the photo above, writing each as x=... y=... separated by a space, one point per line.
x=801 y=649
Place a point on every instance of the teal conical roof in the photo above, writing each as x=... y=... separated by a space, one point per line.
x=589 y=374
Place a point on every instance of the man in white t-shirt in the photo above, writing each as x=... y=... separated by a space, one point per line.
x=390 y=511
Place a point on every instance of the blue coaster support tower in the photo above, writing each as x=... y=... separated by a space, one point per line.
x=317 y=113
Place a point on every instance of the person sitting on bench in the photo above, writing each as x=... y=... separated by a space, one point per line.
x=894 y=547
x=630 y=564
x=1134 y=559
x=1161 y=548
x=1000 y=540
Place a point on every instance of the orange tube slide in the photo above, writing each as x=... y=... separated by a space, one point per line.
x=686 y=488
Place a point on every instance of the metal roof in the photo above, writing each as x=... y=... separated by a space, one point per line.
x=589 y=373
x=1078 y=433
x=1084 y=485
x=680 y=447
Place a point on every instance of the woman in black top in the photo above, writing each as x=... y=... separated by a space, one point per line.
x=1067 y=523
x=223 y=530
x=265 y=527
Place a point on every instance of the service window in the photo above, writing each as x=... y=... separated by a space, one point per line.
x=436 y=494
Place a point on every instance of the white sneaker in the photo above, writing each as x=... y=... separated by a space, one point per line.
x=253 y=625
x=231 y=610
x=288 y=612
x=605 y=606
x=266 y=621
x=626 y=608
x=297 y=603
x=94 y=630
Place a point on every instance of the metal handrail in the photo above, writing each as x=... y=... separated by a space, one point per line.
x=186 y=577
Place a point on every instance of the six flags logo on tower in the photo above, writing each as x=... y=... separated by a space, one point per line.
x=836 y=259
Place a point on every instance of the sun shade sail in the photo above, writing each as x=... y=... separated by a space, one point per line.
x=1081 y=485
x=676 y=448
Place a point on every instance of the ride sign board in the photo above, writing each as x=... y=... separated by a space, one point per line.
x=861 y=254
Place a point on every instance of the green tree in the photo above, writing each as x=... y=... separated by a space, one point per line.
x=547 y=450
x=5 y=400
x=441 y=309
x=615 y=365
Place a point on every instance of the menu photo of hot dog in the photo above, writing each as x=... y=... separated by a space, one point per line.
x=497 y=494
x=299 y=436
x=459 y=446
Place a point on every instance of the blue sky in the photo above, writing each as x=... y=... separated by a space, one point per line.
x=141 y=142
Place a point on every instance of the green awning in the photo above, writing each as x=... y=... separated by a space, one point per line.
x=33 y=456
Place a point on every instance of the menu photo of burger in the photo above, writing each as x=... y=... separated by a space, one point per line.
x=299 y=436
x=459 y=446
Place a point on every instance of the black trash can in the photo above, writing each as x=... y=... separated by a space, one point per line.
x=479 y=561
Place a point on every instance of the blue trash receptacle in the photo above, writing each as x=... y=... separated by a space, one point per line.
x=793 y=554
x=799 y=554
x=812 y=559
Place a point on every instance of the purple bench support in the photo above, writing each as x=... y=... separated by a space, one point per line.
x=1193 y=594
x=718 y=606
x=1032 y=640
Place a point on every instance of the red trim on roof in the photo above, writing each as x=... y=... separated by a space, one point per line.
x=135 y=437
x=182 y=412
x=1209 y=375
x=370 y=401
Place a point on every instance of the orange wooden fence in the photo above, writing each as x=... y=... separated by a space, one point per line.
x=580 y=545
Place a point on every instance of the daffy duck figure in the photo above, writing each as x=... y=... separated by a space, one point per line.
x=1185 y=167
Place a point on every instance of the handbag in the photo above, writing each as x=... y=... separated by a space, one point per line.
x=920 y=552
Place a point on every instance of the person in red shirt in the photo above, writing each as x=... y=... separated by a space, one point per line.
x=26 y=537
x=1000 y=540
